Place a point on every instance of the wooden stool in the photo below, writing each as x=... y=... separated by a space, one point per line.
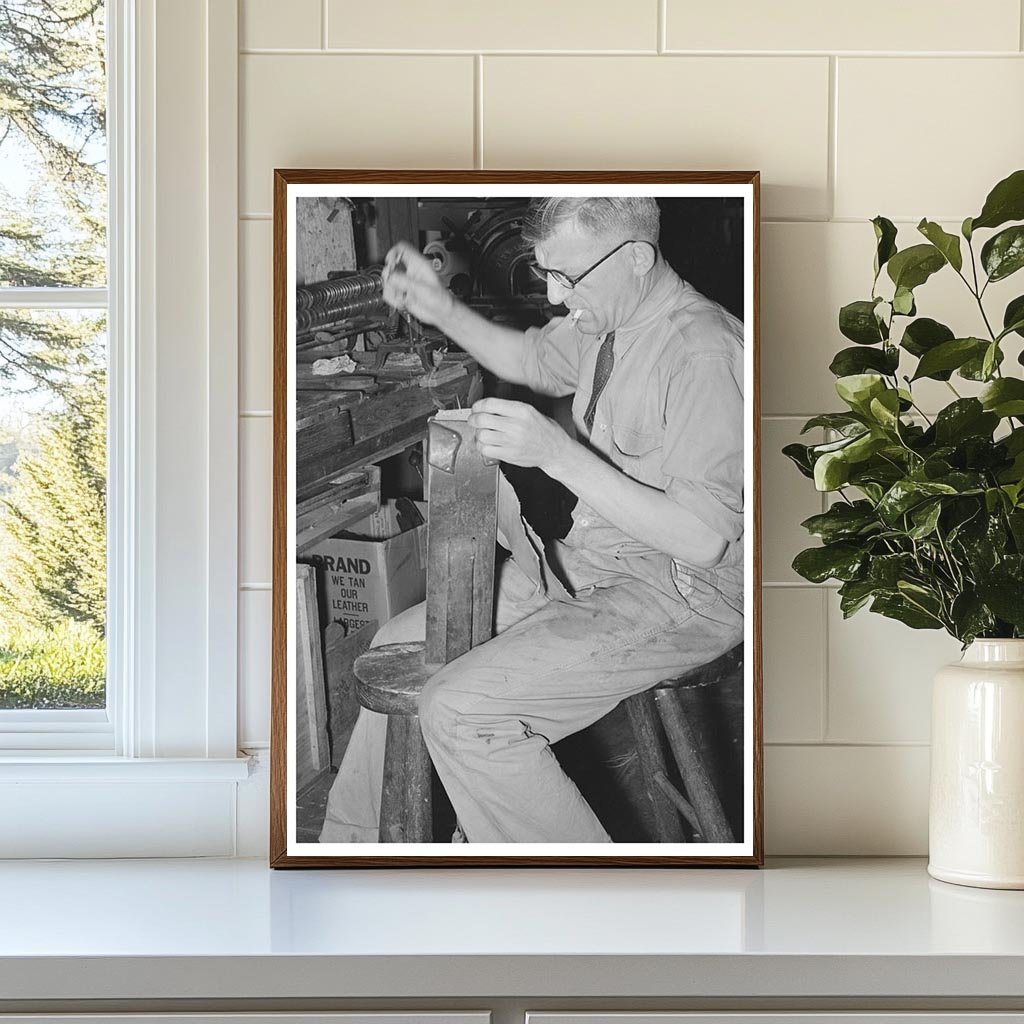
x=701 y=806
x=389 y=680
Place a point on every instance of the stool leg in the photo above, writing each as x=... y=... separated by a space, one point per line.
x=642 y=718
x=405 y=811
x=714 y=825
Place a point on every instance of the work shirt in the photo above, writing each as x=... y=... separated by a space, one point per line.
x=671 y=416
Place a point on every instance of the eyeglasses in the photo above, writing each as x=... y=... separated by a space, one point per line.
x=567 y=282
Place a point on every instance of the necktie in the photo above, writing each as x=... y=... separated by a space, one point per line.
x=602 y=371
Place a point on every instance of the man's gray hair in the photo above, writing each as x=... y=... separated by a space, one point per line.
x=634 y=217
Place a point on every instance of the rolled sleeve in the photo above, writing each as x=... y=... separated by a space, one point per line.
x=551 y=358
x=703 y=454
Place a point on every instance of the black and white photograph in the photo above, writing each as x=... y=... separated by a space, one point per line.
x=515 y=547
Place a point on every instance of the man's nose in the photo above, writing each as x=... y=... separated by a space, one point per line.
x=556 y=292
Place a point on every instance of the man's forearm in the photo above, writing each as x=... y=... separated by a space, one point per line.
x=644 y=513
x=497 y=348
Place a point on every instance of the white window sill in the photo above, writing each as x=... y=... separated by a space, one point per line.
x=75 y=766
x=78 y=806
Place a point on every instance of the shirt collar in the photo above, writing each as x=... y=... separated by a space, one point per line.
x=664 y=295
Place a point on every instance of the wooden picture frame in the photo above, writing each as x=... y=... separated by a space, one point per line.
x=393 y=200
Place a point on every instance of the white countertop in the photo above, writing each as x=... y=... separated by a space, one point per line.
x=234 y=928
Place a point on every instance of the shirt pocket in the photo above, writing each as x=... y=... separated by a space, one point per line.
x=638 y=454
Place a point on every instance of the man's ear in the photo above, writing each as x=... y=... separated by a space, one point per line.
x=643 y=258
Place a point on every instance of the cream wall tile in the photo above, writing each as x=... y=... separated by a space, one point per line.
x=880 y=676
x=846 y=801
x=808 y=271
x=961 y=130
x=787 y=499
x=254 y=610
x=682 y=113
x=351 y=111
x=870 y=25
x=255 y=508
x=269 y=24
x=255 y=320
x=794 y=663
x=469 y=25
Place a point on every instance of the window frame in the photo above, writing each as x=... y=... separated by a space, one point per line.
x=173 y=470
x=78 y=730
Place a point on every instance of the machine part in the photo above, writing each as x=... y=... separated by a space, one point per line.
x=449 y=263
x=354 y=293
x=501 y=261
x=444 y=447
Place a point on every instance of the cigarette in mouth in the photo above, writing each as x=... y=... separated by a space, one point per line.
x=576 y=315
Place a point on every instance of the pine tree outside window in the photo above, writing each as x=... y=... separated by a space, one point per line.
x=53 y=365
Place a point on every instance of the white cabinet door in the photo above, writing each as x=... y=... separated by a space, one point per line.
x=362 y=1017
x=790 y=1017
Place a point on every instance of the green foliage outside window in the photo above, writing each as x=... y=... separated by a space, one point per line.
x=52 y=365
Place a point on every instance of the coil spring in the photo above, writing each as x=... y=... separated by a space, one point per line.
x=339 y=291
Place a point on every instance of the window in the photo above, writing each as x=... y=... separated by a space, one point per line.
x=155 y=771
x=53 y=368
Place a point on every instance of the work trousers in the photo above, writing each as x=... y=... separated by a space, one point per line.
x=555 y=666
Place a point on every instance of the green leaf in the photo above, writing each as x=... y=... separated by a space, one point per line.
x=831 y=471
x=1003 y=254
x=800 y=456
x=864 y=447
x=885 y=409
x=857 y=321
x=858 y=389
x=1005 y=202
x=950 y=355
x=906 y=494
x=923 y=335
x=840 y=561
x=885 y=236
x=925 y=518
x=897 y=607
x=841 y=421
x=970 y=617
x=1005 y=597
x=990 y=361
x=947 y=244
x=903 y=302
x=849 y=361
x=1004 y=397
x=854 y=595
x=912 y=267
x=843 y=521
x=965 y=229
x=887 y=570
x=966 y=417
x=974 y=368
x=1013 y=318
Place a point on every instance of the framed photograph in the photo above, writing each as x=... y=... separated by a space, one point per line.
x=516 y=551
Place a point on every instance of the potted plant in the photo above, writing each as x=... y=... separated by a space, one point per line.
x=927 y=521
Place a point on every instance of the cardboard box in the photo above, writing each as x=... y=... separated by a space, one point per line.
x=371 y=571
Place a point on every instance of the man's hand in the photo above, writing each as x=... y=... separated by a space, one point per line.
x=515 y=432
x=410 y=284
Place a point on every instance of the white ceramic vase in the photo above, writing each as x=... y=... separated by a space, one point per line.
x=976 y=815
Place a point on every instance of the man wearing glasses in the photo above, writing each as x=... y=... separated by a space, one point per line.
x=653 y=564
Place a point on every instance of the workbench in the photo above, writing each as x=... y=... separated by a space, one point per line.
x=340 y=435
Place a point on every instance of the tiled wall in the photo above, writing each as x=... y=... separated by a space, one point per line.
x=905 y=109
